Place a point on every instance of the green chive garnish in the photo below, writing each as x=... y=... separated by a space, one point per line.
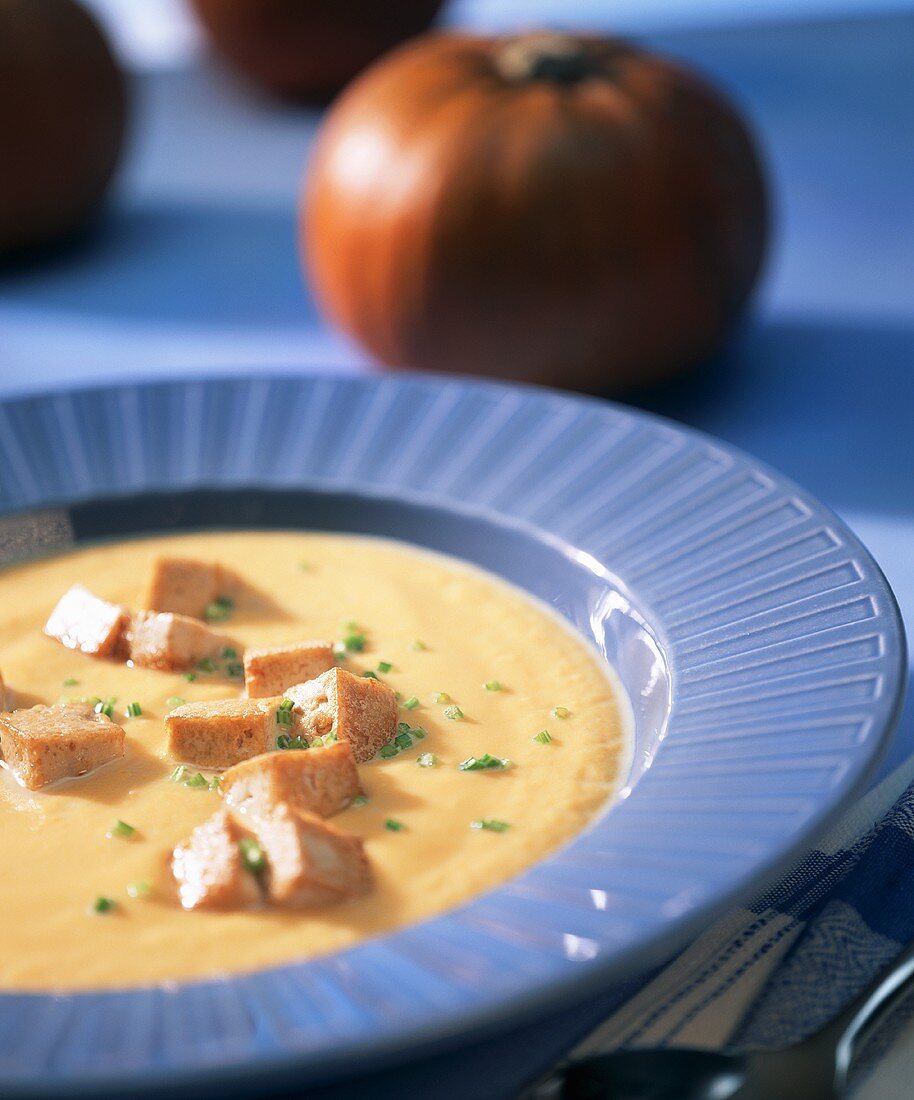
x=219 y=610
x=453 y=713
x=419 y=645
x=442 y=697
x=134 y=710
x=252 y=857
x=198 y=780
x=229 y=654
x=328 y=739
x=286 y=704
x=394 y=826
x=215 y=783
x=543 y=737
x=369 y=675
x=427 y=760
x=359 y=800
x=92 y=700
x=493 y=685
x=174 y=701
x=190 y=677
x=104 y=708
x=284 y=715
x=122 y=829
x=387 y=751
x=206 y=665
x=138 y=889
x=403 y=740
x=235 y=670
x=177 y=776
x=491 y=824
x=103 y=904
x=284 y=741
x=305 y=566
x=561 y=712
x=70 y=681
x=384 y=667
x=355 y=642
x=482 y=763
x=411 y=703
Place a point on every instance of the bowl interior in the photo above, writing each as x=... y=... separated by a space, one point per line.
x=570 y=582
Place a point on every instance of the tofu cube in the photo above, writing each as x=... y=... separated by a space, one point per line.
x=85 y=622
x=360 y=711
x=43 y=744
x=221 y=733
x=271 y=671
x=320 y=781
x=209 y=870
x=309 y=862
x=184 y=586
x=171 y=642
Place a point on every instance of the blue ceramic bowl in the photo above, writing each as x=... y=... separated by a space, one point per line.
x=758 y=642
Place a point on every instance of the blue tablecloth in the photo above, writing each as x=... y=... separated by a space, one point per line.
x=194 y=269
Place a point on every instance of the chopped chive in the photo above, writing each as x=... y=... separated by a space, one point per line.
x=174 y=701
x=543 y=737
x=229 y=654
x=134 y=710
x=403 y=727
x=387 y=751
x=70 y=681
x=235 y=670
x=397 y=696
x=190 y=677
x=384 y=667
x=394 y=826
x=92 y=700
x=219 y=610
x=493 y=685
x=215 y=783
x=252 y=857
x=103 y=904
x=305 y=566
x=198 y=780
x=411 y=703
x=483 y=763
x=359 y=800
x=403 y=740
x=177 y=776
x=454 y=714
x=138 y=889
x=104 y=708
x=427 y=760
x=286 y=704
x=206 y=665
x=284 y=741
x=355 y=642
x=328 y=739
x=369 y=675
x=284 y=717
x=122 y=829
x=490 y=823
x=442 y=697
x=419 y=645
x=351 y=626
x=561 y=712
x=418 y=732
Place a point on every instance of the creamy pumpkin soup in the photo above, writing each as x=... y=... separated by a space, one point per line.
x=224 y=751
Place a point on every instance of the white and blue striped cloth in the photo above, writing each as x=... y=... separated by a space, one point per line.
x=777 y=969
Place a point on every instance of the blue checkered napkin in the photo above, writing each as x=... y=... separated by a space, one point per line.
x=772 y=972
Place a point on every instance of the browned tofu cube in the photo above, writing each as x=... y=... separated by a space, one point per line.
x=320 y=781
x=309 y=862
x=271 y=671
x=171 y=642
x=222 y=733
x=86 y=622
x=209 y=869
x=44 y=744
x=185 y=586
x=357 y=709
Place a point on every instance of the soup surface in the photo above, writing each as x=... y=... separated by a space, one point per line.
x=442 y=626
